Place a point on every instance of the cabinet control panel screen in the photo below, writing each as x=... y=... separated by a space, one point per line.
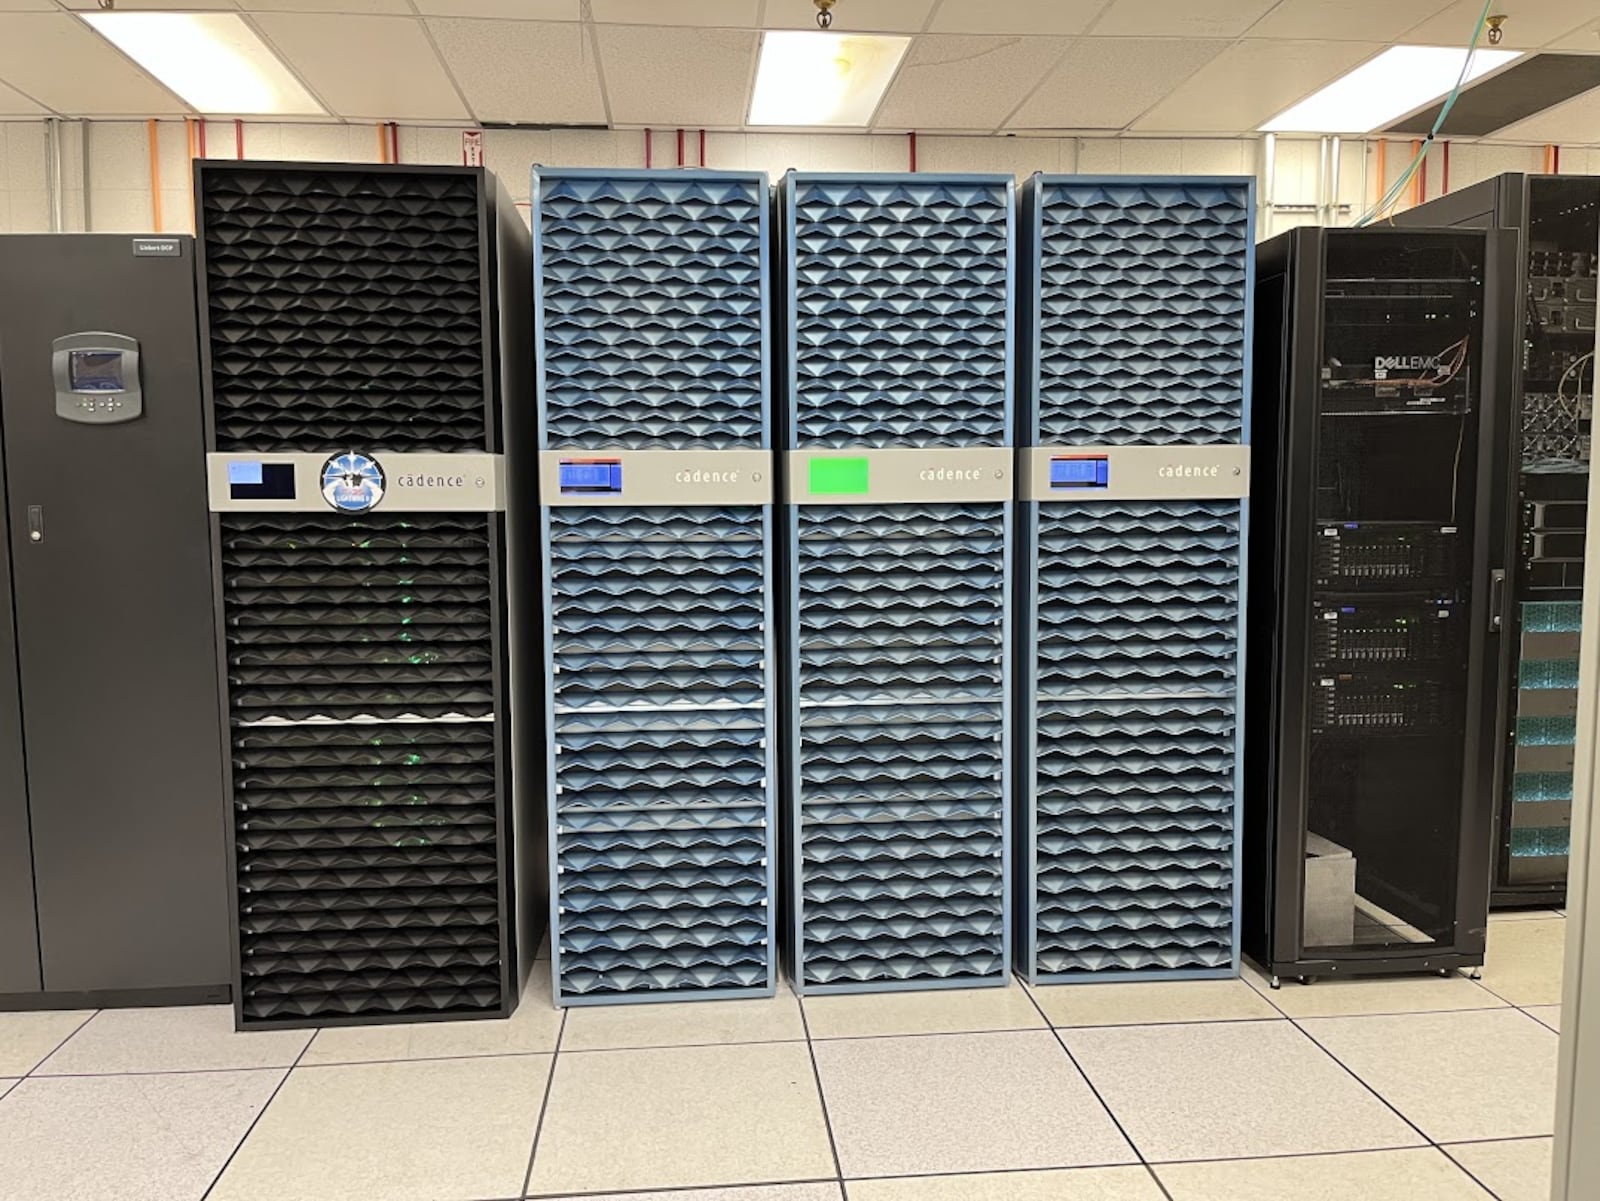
x=95 y=370
x=1080 y=471
x=261 y=481
x=589 y=477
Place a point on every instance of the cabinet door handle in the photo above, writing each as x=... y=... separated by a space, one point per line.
x=35 y=523
x=1497 y=600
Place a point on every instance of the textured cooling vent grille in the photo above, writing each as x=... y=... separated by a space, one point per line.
x=900 y=642
x=653 y=297
x=1136 y=659
x=1142 y=313
x=901 y=312
x=361 y=707
x=658 y=620
x=344 y=308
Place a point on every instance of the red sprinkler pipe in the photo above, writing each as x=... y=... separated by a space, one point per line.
x=680 y=147
x=238 y=138
x=912 y=136
x=647 y=150
x=1444 y=171
x=702 y=147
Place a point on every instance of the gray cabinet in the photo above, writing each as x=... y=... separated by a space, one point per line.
x=113 y=856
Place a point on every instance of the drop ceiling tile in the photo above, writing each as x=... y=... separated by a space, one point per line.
x=165 y=5
x=712 y=14
x=965 y=83
x=1104 y=83
x=1529 y=23
x=1586 y=38
x=1251 y=82
x=66 y=66
x=18 y=6
x=511 y=10
x=688 y=78
x=376 y=67
x=14 y=104
x=878 y=16
x=1575 y=122
x=1015 y=16
x=1181 y=18
x=370 y=8
x=537 y=73
x=1345 y=20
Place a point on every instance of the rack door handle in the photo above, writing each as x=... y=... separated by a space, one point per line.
x=35 y=523
x=1497 y=600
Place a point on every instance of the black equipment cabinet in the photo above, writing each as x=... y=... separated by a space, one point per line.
x=360 y=326
x=1542 y=489
x=113 y=863
x=1374 y=622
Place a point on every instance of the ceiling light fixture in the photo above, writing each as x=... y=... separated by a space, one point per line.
x=1399 y=81
x=214 y=61
x=823 y=78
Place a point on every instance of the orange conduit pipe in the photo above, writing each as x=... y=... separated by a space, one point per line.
x=188 y=129
x=1382 y=184
x=702 y=148
x=238 y=138
x=383 y=143
x=154 y=137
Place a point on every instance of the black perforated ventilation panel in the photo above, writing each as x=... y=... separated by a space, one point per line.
x=344 y=305
x=345 y=310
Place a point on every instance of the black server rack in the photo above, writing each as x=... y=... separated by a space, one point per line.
x=1549 y=335
x=651 y=305
x=113 y=883
x=898 y=421
x=360 y=325
x=1372 y=640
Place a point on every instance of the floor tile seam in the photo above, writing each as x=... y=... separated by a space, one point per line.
x=1470 y=1174
x=69 y=1037
x=822 y=1095
x=1505 y=1138
x=1401 y=1013
x=681 y=1188
x=1356 y=1076
x=251 y=1128
x=737 y=1042
x=1090 y=1084
x=363 y=1063
x=544 y=1105
x=250 y=1067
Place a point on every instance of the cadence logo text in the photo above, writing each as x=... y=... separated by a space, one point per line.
x=1179 y=471
x=707 y=477
x=941 y=474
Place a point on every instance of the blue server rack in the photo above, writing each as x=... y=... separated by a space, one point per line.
x=651 y=303
x=899 y=470
x=1137 y=359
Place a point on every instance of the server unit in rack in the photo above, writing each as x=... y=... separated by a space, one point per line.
x=898 y=427
x=1542 y=494
x=1136 y=343
x=651 y=305
x=1378 y=416
x=359 y=325
x=113 y=879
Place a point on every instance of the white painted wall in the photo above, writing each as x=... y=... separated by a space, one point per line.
x=115 y=158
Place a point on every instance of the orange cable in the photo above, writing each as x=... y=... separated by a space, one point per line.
x=155 y=172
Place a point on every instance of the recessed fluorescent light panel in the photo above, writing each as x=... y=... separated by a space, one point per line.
x=823 y=78
x=214 y=61
x=1400 y=80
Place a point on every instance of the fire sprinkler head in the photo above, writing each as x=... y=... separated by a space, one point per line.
x=1496 y=29
x=824 y=13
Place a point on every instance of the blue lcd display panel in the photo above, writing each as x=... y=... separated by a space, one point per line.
x=586 y=477
x=1080 y=471
x=254 y=480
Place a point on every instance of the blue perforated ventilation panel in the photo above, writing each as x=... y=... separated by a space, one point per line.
x=900 y=299
x=651 y=302
x=1137 y=335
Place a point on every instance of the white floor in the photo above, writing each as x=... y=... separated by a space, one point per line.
x=1410 y=1089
